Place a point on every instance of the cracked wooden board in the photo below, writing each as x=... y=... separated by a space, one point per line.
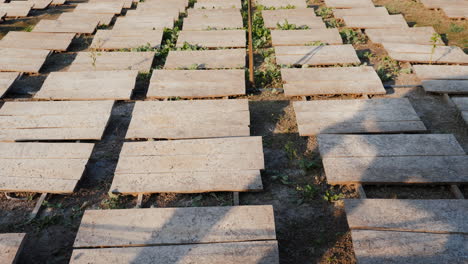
x=356 y=116
x=112 y=61
x=349 y=3
x=279 y=4
x=143 y=22
x=112 y=85
x=196 y=83
x=72 y=120
x=305 y=37
x=102 y=19
x=366 y=22
x=218 y=4
x=316 y=55
x=261 y=252
x=462 y=105
x=35 y=40
x=360 y=11
x=100 y=7
x=6 y=80
x=69 y=25
x=126 y=39
x=213 y=38
x=396 y=159
x=426 y=53
x=16 y=8
x=304 y=17
x=10 y=246
x=206 y=59
x=414 y=35
x=22 y=60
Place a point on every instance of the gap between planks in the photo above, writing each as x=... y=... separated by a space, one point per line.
x=39 y=203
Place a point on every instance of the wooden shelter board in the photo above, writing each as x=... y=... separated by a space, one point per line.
x=79 y=26
x=6 y=80
x=40 y=4
x=441 y=72
x=217 y=4
x=372 y=246
x=414 y=35
x=58 y=2
x=278 y=4
x=300 y=17
x=212 y=12
x=112 y=61
x=360 y=11
x=42 y=167
x=356 y=116
x=22 y=60
x=34 y=40
x=349 y=3
x=102 y=19
x=126 y=39
x=213 y=22
x=206 y=59
x=305 y=37
x=196 y=83
x=426 y=216
x=16 y=8
x=111 y=85
x=100 y=7
x=163 y=4
x=365 y=22
x=426 y=53
x=316 y=55
x=434 y=4
x=457 y=12
x=10 y=246
x=446 y=86
x=143 y=22
x=462 y=105
x=154 y=11
x=125 y=3
x=376 y=159
x=21 y=121
x=213 y=38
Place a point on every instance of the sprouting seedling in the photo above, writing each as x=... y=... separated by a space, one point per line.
x=435 y=38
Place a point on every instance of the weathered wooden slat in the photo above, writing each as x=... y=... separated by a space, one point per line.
x=446 y=86
x=360 y=11
x=143 y=22
x=37 y=185
x=113 y=85
x=356 y=116
x=6 y=80
x=102 y=19
x=125 y=3
x=406 y=247
x=22 y=60
x=212 y=12
x=10 y=245
x=112 y=61
x=426 y=53
x=349 y=3
x=217 y=4
x=55 y=108
x=190 y=119
x=180 y=5
x=196 y=84
x=462 y=105
x=206 y=59
x=213 y=22
x=69 y=25
x=33 y=151
x=114 y=7
x=33 y=40
x=456 y=11
x=316 y=55
x=58 y=2
x=125 y=39
x=344 y=80
x=162 y=226
x=278 y=4
x=299 y=17
x=440 y=3
x=441 y=72
x=2 y=15
x=431 y=216
x=16 y=8
x=414 y=35
x=213 y=38
x=391 y=21
x=39 y=4
x=24 y=169
x=305 y=37
x=154 y=11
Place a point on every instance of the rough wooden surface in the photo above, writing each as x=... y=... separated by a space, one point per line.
x=180 y=5
x=426 y=53
x=316 y=55
x=213 y=38
x=112 y=85
x=196 y=83
x=305 y=37
x=349 y=3
x=457 y=12
x=33 y=40
x=414 y=35
x=461 y=103
x=212 y=12
x=259 y=252
x=441 y=72
x=206 y=59
x=440 y=3
x=69 y=25
x=102 y=19
x=126 y=39
x=10 y=245
x=391 y=21
x=2 y=15
x=189 y=119
x=112 y=61
x=16 y=8
x=217 y=4
x=6 y=80
x=298 y=17
x=162 y=226
x=100 y=7
x=356 y=116
x=155 y=11
x=22 y=60
x=372 y=247
x=360 y=11
x=278 y=4
x=338 y=80
x=125 y=3
x=143 y=22
x=231 y=19
x=446 y=86
x=53 y=120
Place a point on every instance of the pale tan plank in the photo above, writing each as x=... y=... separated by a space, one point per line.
x=278 y=4
x=45 y=150
x=259 y=252
x=37 y=185
x=212 y=12
x=33 y=40
x=440 y=3
x=461 y=103
x=446 y=86
x=180 y=5
x=125 y=39
x=415 y=35
x=316 y=55
x=56 y=108
x=58 y=2
x=100 y=7
x=360 y=11
x=10 y=245
x=49 y=121
x=305 y=37
x=213 y=38
x=24 y=169
x=441 y=72
x=196 y=84
x=2 y=14
x=125 y=3
x=426 y=53
x=102 y=19
x=349 y=3
x=154 y=10
x=40 y=4
x=69 y=25
x=134 y=227
x=456 y=11
x=6 y=80
x=213 y=22
x=16 y=8
x=11 y=135
x=217 y=4
x=206 y=106
x=112 y=61
x=298 y=17
x=206 y=59
x=22 y=60
x=391 y=21
x=143 y=22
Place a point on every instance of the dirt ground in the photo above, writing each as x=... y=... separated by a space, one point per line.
x=310 y=221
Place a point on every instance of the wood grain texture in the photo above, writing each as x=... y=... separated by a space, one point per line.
x=126 y=39
x=125 y=3
x=456 y=11
x=305 y=37
x=6 y=80
x=102 y=19
x=154 y=10
x=278 y=4
x=33 y=40
x=360 y=11
x=213 y=22
x=162 y=226
x=425 y=53
x=180 y=5
x=112 y=61
x=462 y=105
x=440 y=3
x=391 y=21
x=349 y=3
x=441 y=72
x=213 y=38
x=196 y=83
x=316 y=55
x=415 y=35
x=143 y=22
x=10 y=245
x=446 y=86
x=16 y=8
x=218 y=4
x=300 y=17
x=206 y=59
x=69 y=25
x=22 y=60
x=2 y=15
x=114 y=7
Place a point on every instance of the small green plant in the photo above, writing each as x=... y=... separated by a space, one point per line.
x=366 y=55
x=29 y=28
x=331 y=196
x=197 y=200
x=283 y=178
x=102 y=26
x=308 y=164
x=333 y=23
x=388 y=69
x=325 y=12
x=261 y=36
x=435 y=39
x=52 y=205
x=290 y=150
x=350 y=36
x=307 y=192
x=112 y=202
x=188 y=46
x=144 y=48
x=287 y=26
x=454 y=28
x=315 y=43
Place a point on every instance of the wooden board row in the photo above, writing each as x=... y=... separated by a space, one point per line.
x=305 y=37
x=280 y=4
x=448 y=79
x=349 y=4
x=414 y=35
x=209 y=20
x=6 y=81
x=316 y=55
x=16 y=8
x=213 y=38
x=22 y=60
x=301 y=18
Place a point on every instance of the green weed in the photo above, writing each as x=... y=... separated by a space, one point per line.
x=29 y=28
x=331 y=196
x=333 y=23
x=454 y=28
x=290 y=150
x=325 y=12
x=261 y=37
x=435 y=38
x=113 y=202
x=350 y=36
x=388 y=69
x=287 y=26
x=282 y=178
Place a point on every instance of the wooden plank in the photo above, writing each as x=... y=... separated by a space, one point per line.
x=414 y=35
x=113 y=85
x=217 y=4
x=299 y=17
x=213 y=38
x=316 y=55
x=16 y=8
x=2 y=15
x=446 y=86
x=213 y=22
x=39 y=4
x=206 y=59
x=6 y=80
x=101 y=19
x=407 y=247
x=84 y=26
x=461 y=103
x=10 y=245
x=391 y=21
x=37 y=185
x=261 y=252
x=155 y=11
x=360 y=11
x=305 y=37
x=22 y=60
x=338 y=80
x=349 y=3
x=433 y=4
x=24 y=169
x=356 y=116
x=53 y=151
x=33 y=40
x=143 y=22
x=126 y=39
x=100 y=7
x=441 y=72
x=457 y=12
x=426 y=53
x=189 y=119
x=278 y=4
x=180 y=5
x=212 y=12
x=163 y=226
x=58 y=2
x=196 y=84
x=112 y=61
x=125 y=3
